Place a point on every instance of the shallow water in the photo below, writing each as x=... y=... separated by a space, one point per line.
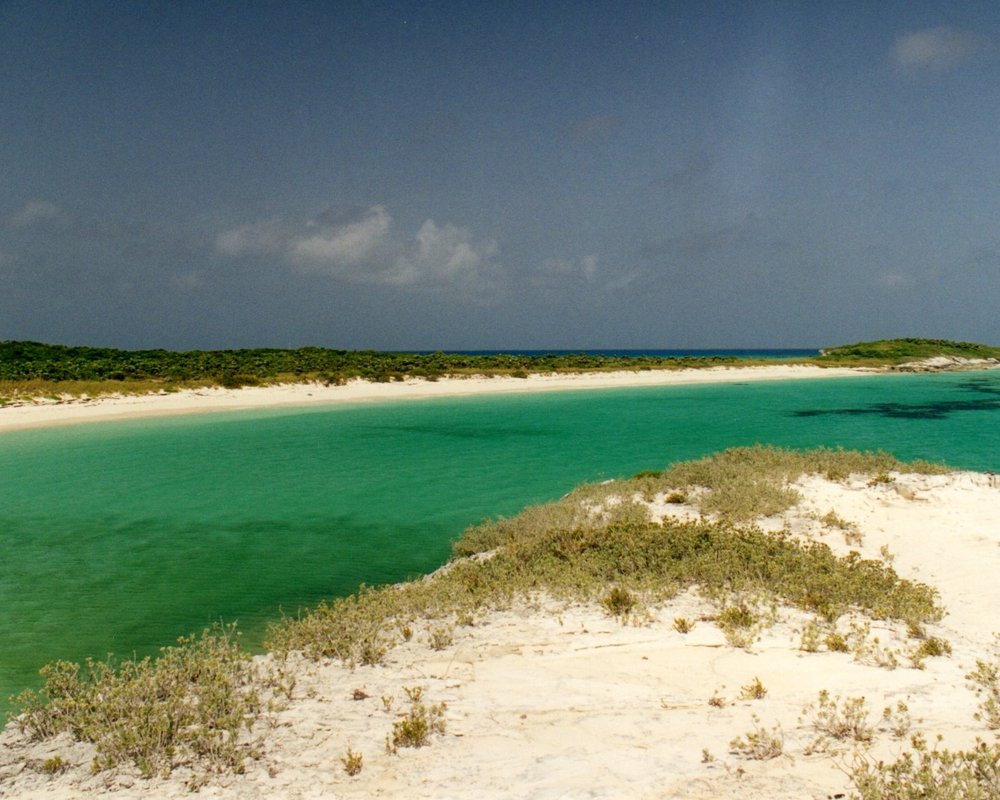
x=118 y=537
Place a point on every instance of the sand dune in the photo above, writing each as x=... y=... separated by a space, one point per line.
x=553 y=701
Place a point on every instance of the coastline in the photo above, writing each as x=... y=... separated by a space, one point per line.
x=554 y=699
x=47 y=413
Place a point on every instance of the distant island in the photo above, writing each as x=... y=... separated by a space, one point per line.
x=898 y=351
x=33 y=369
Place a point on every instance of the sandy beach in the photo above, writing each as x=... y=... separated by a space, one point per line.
x=562 y=701
x=48 y=412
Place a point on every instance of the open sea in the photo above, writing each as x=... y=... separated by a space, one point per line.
x=119 y=537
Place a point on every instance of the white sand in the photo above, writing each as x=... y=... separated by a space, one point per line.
x=564 y=702
x=68 y=411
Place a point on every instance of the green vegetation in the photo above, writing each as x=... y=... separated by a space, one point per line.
x=32 y=369
x=578 y=549
x=758 y=744
x=415 y=729
x=985 y=682
x=747 y=482
x=192 y=703
x=927 y=773
x=837 y=722
x=897 y=351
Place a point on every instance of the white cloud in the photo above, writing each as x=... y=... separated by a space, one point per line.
x=443 y=253
x=936 y=49
x=34 y=211
x=362 y=246
x=342 y=242
x=257 y=238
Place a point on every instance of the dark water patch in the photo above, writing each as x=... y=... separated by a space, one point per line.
x=936 y=410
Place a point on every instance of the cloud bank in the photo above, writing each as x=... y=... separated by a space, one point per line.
x=362 y=245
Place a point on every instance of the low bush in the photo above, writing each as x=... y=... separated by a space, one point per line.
x=192 y=703
x=926 y=773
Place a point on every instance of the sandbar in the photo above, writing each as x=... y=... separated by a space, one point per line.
x=65 y=411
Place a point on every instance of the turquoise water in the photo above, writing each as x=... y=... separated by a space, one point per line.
x=118 y=537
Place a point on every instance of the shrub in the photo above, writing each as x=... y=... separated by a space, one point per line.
x=353 y=762
x=415 y=729
x=440 y=637
x=985 y=681
x=683 y=625
x=189 y=704
x=759 y=743
x=755 y=690
x=618 y=602
x=836 y=722
x=930 y=774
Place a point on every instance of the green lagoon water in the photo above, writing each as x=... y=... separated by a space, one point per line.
x=119 y=537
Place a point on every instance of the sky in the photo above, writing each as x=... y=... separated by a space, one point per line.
x=499 y=175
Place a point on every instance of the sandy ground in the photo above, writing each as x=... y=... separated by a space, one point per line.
x=50 y=412
x=550 y=701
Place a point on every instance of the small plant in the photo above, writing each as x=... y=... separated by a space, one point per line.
x=887 y=556
x=755 y=690
x=414 y=694
x=758 y=743
x=676 y=498
x=353 y=762
x=811 y=637
x=817 y=635
x=737 y=616
x=359 y=694
x=440 y=637
x=683 y=625
x=619 y=602
x=869 y=649
x=415 y=729
x=54 y=765
x=838 y=722
x=984 y=680
x=897 y=719
x=740 y=625
x=881 y=479
x=853 y=538
x=706 y=756
x=931 y=647
x=717 y=700
x=852 y=533
x=387 y=701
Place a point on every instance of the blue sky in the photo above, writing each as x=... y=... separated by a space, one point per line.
x=463 y=175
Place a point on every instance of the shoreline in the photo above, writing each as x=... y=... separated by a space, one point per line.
x=49 y=413
x=554 y=698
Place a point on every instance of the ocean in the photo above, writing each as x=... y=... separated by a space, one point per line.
x=120 y=537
